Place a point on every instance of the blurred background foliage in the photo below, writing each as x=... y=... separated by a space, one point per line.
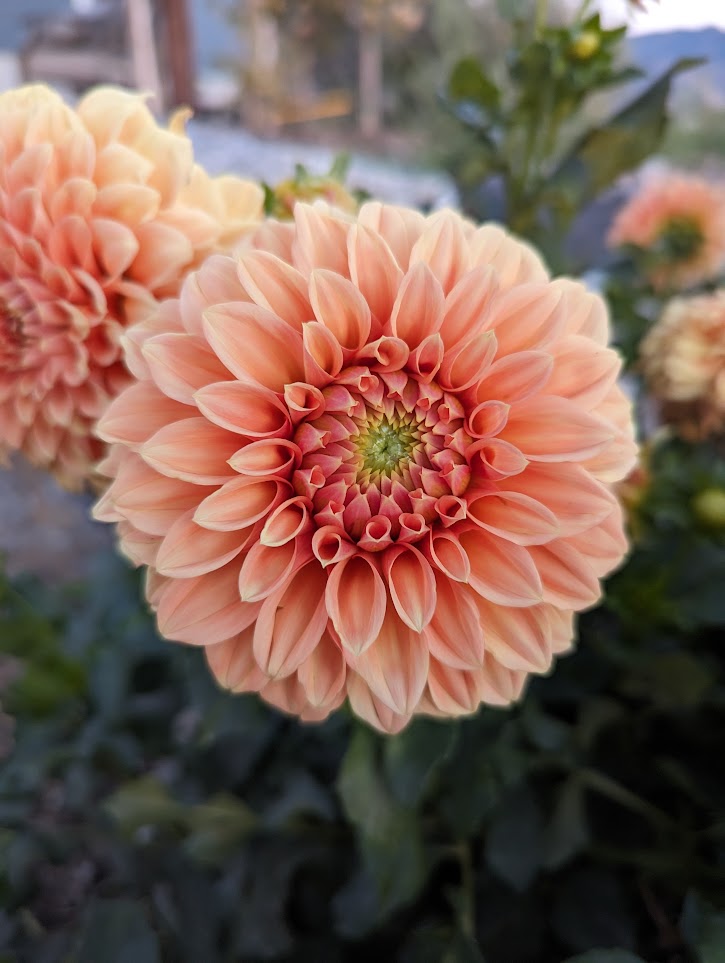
x=147 y=816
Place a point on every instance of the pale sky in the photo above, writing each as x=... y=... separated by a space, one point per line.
x=666 y=14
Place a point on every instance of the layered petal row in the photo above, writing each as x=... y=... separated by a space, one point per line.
x=102 y=214
x=371 y=458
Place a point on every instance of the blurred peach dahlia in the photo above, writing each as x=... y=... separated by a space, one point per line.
x=683 y=360
x=678 y=222
x=102 y=212
x=371 y=458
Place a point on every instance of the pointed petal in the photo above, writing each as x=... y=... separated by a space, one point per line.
x=233 y=664
x=286 y=522
x=498 y=685
x=446 y=553
x=576 y=499
x=204 y=610
x=555 y=429
x=369 y=708
x=515 y=377
x=395 y=666
x=454 y=692
x=320 y=241
x=323 y=350
x=518 y=639
x=567 y=576
x=411 y=584
x=356 y=601
x=442 y=246
x=501 y=571
x=528 y=316
x=467 y=305
x=418 y=308
x=276 y=286
x=241 y=502
x=266 y=569
x=291 y=622
x=465 y=364
x=180 y=364
x=269 y=456
x=340 y=306
x=254 y=344
x=455 y=636
x=514 y=516
x=400 y=227
x=374 y=271
x=243 y=408
x=322 y=674
x=191 y=449
x=137 y=413
x=189 y=550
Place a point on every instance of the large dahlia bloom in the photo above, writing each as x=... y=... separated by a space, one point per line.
x=371 y=458
x=102 y=213
x=677 y=222
x=683 y=360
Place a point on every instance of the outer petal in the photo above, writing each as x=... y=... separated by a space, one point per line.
x=356 y=601
x=204 y=610
x=412 y=585
x=501 y=571
x=291 y=622
x=395 y=666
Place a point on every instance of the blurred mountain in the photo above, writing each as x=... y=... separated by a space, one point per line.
x=655 y=52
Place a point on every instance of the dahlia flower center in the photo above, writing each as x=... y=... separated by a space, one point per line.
x=681 y=239
x=387 y=444
x=13 y=337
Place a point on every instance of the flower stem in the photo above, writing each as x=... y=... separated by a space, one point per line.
x=542 y=9
x=468 y=884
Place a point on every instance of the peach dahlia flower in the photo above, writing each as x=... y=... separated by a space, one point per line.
x=678 y=221
x=371 y=458
x=683 y=360
x=102 y=213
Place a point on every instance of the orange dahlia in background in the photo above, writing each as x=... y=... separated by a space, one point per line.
x=371 y=458
x=683 y=360
x=677 y=223
x=102 y=213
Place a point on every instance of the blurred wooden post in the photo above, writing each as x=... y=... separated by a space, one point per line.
x=263 y=40
x=162 y=51
x=144 y=53
x=180 y=50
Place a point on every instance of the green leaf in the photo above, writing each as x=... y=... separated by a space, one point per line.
x=590 y=909
x=394 y=865
x=413 y=758
x=143 y=802
x=217 y=827
x=618 y=145
x=514 y=844
x=568 y=832
x=463 y=949
x=117 y=931
x=703 y=927
x=469 y=83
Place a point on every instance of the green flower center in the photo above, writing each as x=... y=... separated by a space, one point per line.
x=12 y=335
x=681 y=239
x=387 y=444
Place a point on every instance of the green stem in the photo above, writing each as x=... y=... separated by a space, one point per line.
x=468 y=896
x=542 y=9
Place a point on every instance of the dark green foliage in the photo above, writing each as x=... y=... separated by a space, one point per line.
x=148 y=816
x=534 y=164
